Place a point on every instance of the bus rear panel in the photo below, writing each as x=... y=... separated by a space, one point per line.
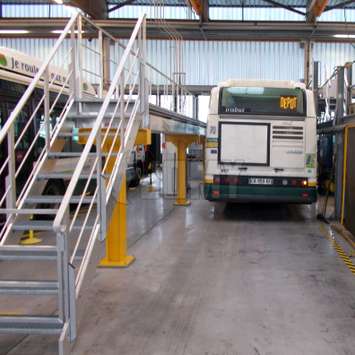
x=261 y=143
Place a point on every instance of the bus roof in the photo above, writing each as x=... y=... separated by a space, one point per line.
x=284 y=84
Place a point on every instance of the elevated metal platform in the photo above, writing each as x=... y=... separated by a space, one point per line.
x=161 y=120
x=166 y=121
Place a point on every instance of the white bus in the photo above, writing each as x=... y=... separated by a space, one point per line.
x=261 y=143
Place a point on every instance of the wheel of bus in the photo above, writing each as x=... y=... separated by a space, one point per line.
x=53 y=188
x=135 y=182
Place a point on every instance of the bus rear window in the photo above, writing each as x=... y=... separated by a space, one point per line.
x=262 y=101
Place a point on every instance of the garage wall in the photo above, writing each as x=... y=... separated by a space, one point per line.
x=331 y=55
x=208 y=62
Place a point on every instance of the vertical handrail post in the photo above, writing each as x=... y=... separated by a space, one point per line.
x=101 y=191
x=62 y=270
x=74 y=75
x=122 y=106
x=80 y=56
x=142 y=82
x=72 y=303
x=47 y=127
x=11 y=180
x=102 y=64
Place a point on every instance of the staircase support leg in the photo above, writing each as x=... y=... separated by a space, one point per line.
x=116 y=238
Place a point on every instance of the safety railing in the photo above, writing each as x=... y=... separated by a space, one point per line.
x=32 y=127
x=28 y=133
x=166 y=91
x=112 y=137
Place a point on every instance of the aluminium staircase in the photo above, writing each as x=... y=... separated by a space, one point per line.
x=72 y=225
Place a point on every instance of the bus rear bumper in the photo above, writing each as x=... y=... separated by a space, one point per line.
x=268 y=194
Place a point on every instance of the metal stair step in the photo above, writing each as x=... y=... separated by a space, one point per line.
x=55 y=199
x=76 y=134
x=93 y=115
x=17 y=252
x=40 y=226
x=29 y=287
x=96 y=100
x=30 y=324
x=29 y=211
x=66 y=176
x=74 y=154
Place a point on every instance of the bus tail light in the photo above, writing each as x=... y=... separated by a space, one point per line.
x=215 y=193
x=305 y=194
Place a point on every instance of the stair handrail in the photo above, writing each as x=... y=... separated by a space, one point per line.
x=58 y=225
x=37 y=78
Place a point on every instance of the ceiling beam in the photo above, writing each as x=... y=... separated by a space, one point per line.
x=195 y=30
x=97 y=9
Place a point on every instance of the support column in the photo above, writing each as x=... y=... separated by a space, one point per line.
x=116 y=238
x=308 y=58
x=106 y=63
x=339 y=139
x=182 y=142
x=181 y=170
x=349 y=84
x=195 y=107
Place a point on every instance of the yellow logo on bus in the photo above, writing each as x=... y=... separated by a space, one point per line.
x=288 y=102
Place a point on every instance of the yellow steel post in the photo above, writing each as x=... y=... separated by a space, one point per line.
x=181 y=171
x=182 y=142
x=116 y=238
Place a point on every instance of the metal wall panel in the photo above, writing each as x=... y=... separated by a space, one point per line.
x=331 y=55
x=208 y=62
x=37 y=10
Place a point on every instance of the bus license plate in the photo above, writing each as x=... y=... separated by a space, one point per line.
x=260 y=181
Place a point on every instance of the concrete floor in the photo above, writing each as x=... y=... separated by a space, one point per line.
x=212 y=279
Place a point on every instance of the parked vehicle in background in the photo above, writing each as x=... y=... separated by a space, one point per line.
x=261 y=143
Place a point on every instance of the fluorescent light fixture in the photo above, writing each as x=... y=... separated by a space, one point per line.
x=60 y=2
x=13 y=32
x=61 y=31
x=344 y=36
